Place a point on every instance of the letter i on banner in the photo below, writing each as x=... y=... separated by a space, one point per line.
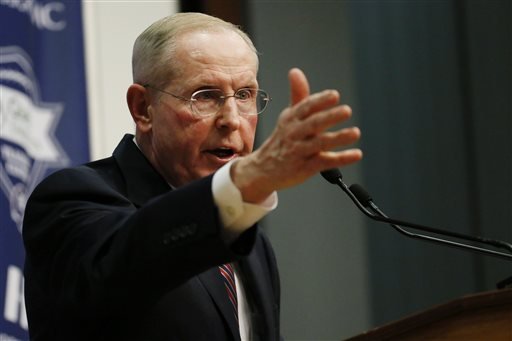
x=43 y=125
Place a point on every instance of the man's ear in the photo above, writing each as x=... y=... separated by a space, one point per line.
x=138 y=100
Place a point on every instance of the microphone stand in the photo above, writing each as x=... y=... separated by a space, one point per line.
x=334 y=176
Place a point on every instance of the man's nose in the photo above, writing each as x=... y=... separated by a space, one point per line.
x=228 y=116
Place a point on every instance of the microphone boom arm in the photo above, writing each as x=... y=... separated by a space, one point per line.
x=334 y=177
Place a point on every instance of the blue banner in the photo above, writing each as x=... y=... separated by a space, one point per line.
x=43 y=125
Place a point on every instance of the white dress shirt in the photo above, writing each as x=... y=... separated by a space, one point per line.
x=237 y=216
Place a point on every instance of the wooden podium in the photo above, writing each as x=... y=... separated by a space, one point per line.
x=484 y=316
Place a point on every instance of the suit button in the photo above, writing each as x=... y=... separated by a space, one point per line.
x=182 y=231
x=190 y=229
x=171 y=236
x=175 y=235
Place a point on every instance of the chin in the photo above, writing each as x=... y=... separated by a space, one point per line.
x=204 y=173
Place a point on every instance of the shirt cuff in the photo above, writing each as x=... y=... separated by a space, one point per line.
x=235 y=214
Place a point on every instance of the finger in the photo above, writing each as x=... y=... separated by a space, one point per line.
x=330 y=140
x=323 y=120
x=299 y=86
x=331 y=159
x=341 y=138
x=316 y=102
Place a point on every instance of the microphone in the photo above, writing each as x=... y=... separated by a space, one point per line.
x=363 y=200
x=332 y=175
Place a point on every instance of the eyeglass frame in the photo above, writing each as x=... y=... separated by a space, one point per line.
x=223 y=98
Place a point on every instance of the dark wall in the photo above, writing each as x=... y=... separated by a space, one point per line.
x=488 y=48
x=318 y=235
x=433 y=87
x=430 y=84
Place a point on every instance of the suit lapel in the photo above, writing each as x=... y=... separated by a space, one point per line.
x=212 y=281
x=142 y=182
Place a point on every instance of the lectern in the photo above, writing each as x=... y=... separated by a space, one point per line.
x=483 y=316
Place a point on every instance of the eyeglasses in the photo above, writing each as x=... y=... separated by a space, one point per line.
x=208 y=102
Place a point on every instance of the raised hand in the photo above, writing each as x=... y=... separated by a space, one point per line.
x=301 y=144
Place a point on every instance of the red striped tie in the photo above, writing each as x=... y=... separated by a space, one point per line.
x=226 y=270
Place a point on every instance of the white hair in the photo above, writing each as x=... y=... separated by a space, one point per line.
x=154 y=48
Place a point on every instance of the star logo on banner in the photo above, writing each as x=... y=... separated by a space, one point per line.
x=28 y=146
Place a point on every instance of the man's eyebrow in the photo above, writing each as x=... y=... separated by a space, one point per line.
x=204 y=87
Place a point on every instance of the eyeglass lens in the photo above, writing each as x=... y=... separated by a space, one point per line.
x=249 y=101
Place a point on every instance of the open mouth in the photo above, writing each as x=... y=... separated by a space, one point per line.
x=222 y=153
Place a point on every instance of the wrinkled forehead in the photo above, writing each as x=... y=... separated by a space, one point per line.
x=210 y=53
x=220 y=43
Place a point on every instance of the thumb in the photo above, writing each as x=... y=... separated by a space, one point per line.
x=299 y=86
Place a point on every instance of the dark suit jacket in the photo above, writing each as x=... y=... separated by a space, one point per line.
x=113 y=254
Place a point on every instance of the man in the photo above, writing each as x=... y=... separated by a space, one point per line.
x=129 y=247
